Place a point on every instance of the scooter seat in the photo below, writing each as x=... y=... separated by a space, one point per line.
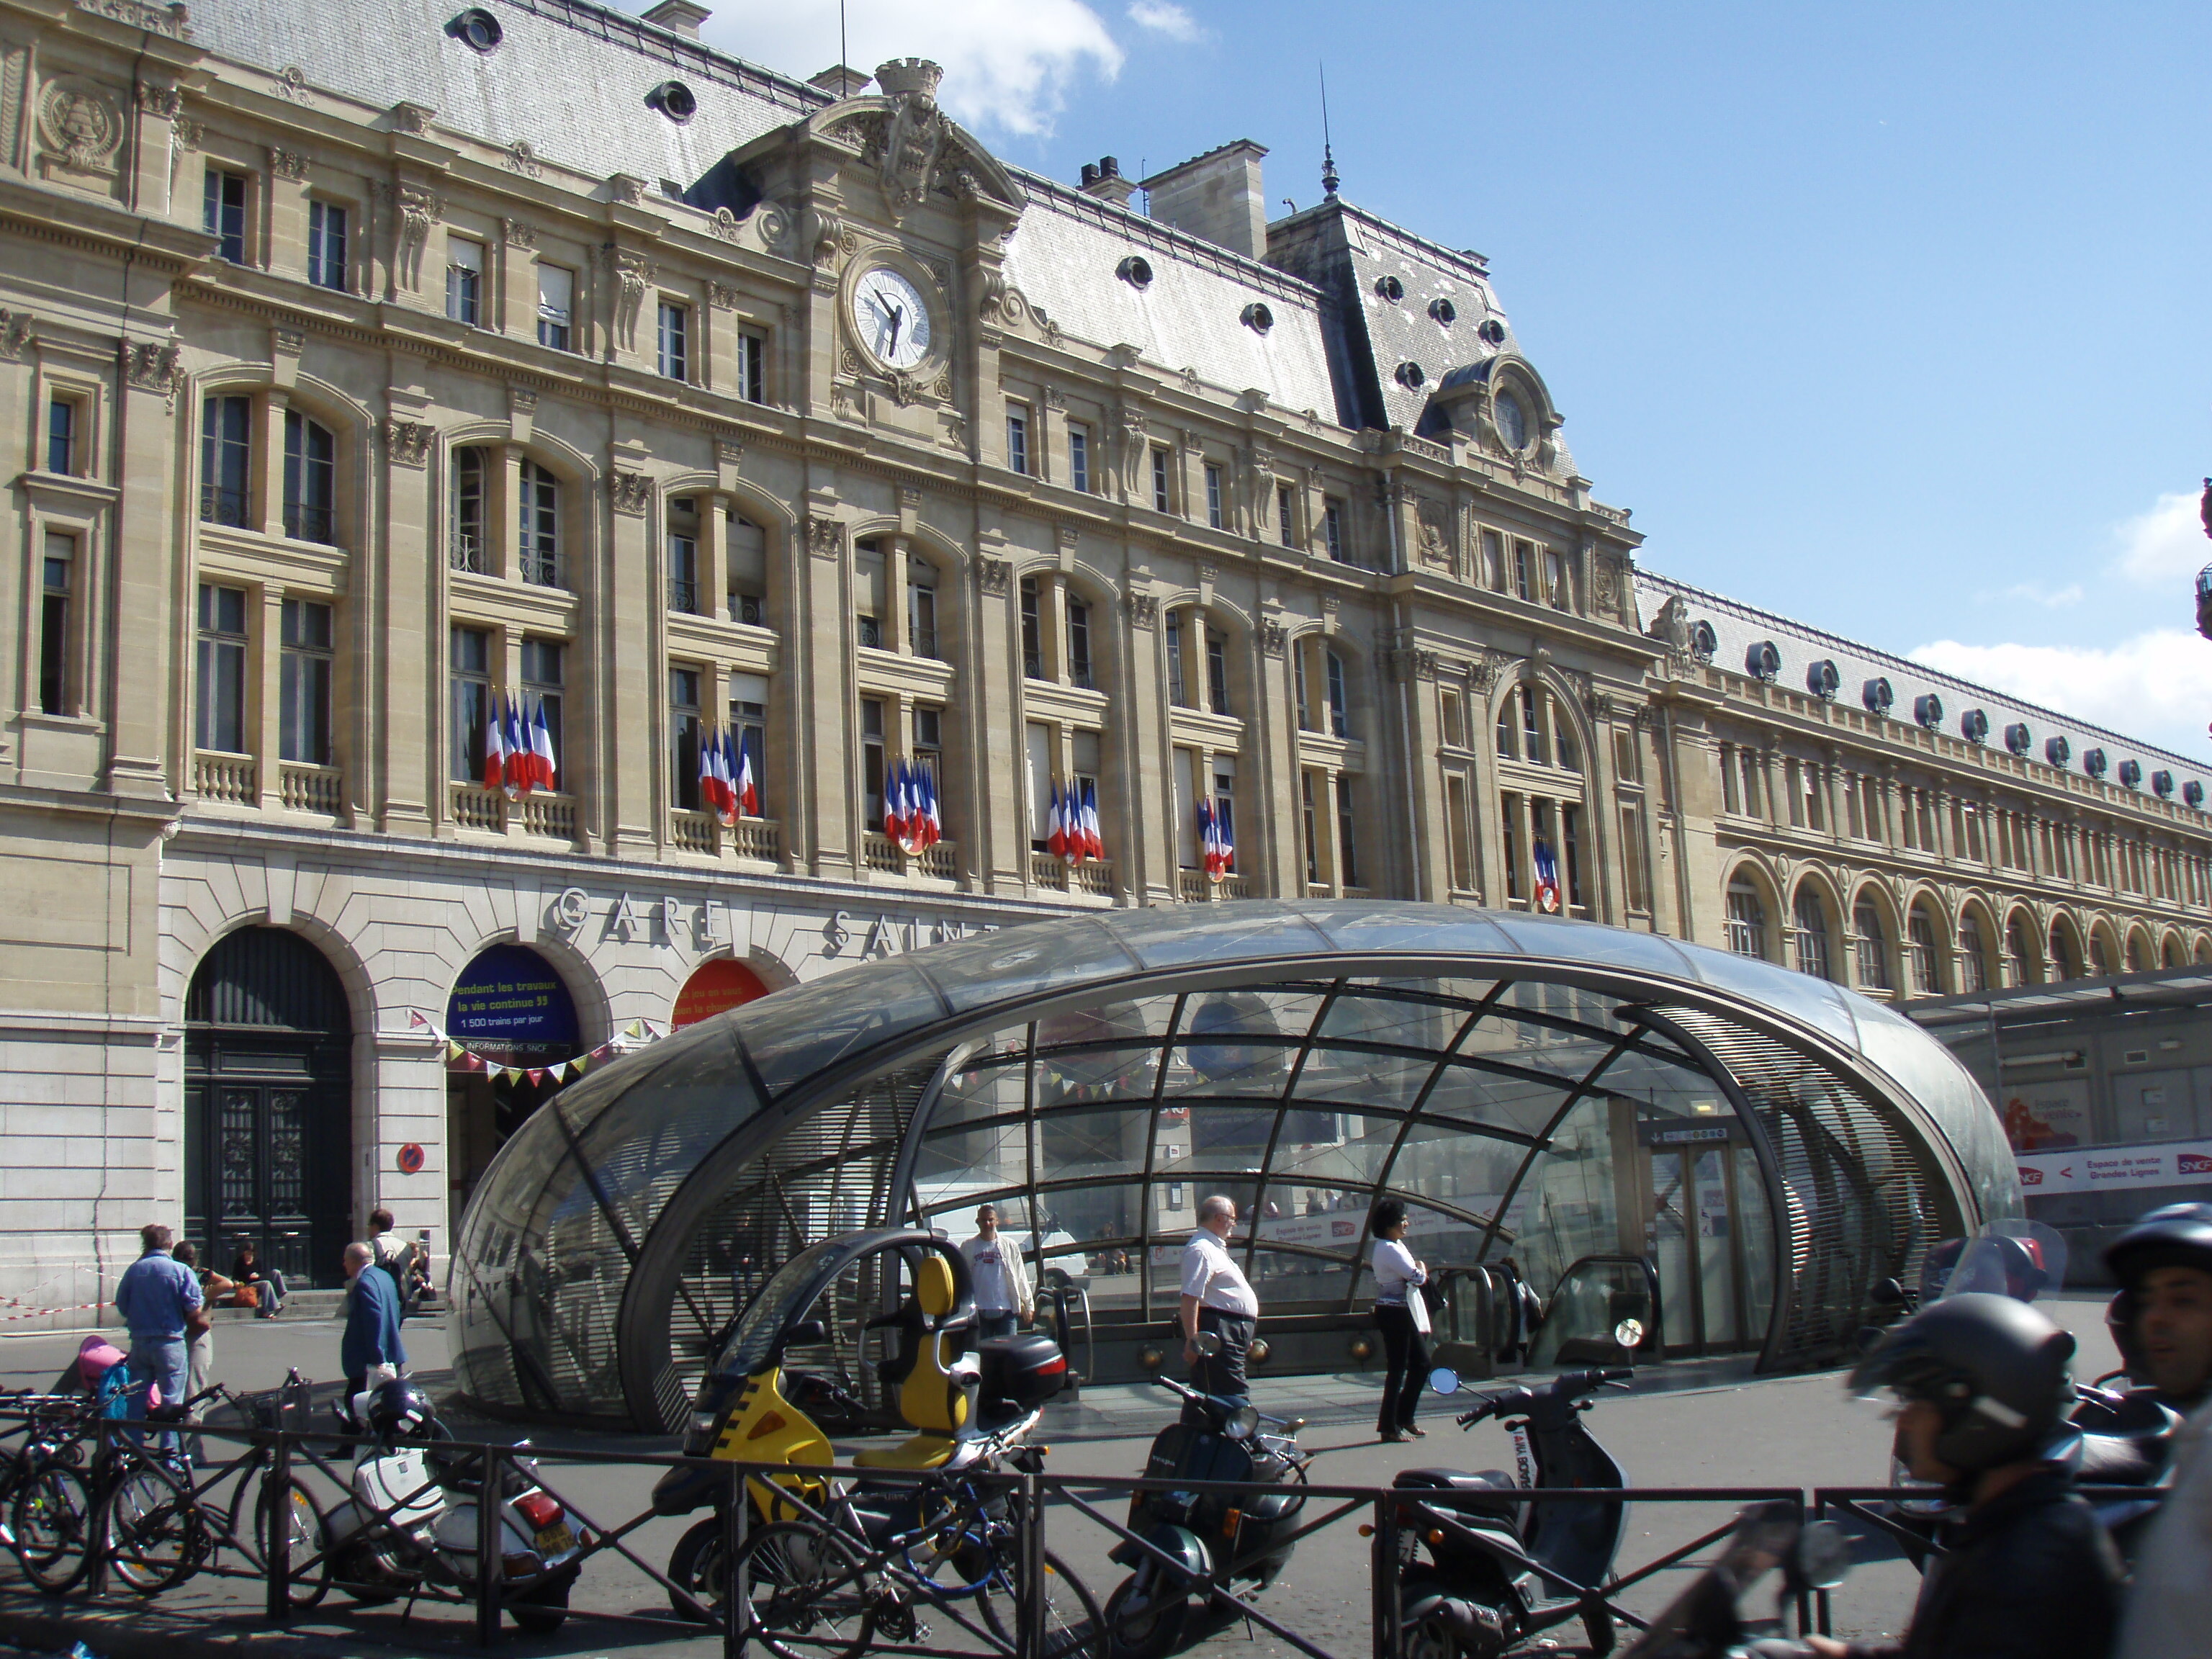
x=1481 y=1481
x=2120 y=1460
x=923 y=1451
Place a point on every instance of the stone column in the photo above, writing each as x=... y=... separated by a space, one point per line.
x=151 y=590
x=1273 y=766
x=394 y=773
x=631 y=609
x=1000 y=861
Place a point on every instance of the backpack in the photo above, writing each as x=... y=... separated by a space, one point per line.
x=112 y=1392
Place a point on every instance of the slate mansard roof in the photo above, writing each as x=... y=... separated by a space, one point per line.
x=1739 y=628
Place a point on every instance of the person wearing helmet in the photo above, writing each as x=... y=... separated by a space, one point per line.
x=2163 y=1317
x=1982 y=1386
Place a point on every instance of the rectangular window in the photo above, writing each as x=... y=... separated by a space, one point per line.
x=752 y=366
x=872 y=762
x=1627 y=760
x=1509 y=823
x=1459 y=837
x=1286 y=527
x=1224 y=802
x=1332 y=532
x=1178 y=682
x=1493 y=559
x=1571 y=857
x=1018 y=442
x=1037 y=751
x=1298 y=690
x=1160 y=496
x=59 y=581
x=871 y=595
x=1217 y=670
x=1816 y=811
x=748 y=722
x=471 y=679
x=747 y=546
x=675 y=341
x=226 y=460
x=469 y=550
x=1311 y=825
x=61 y=436
x=1752 y=772
x=304 y=730
x=1186 y=808
x=223 y=200
x=1213 y=495
x=1078 y=457
x=1509 y=747
x=326 y=245
x=1555 y=579
x=465 y=269
x=1340 y=699
x=921 y=608
x=1524 y=555
x=684 y=574
x=540 y=526
x=311 y=479
x=928 y=749
x=684 y=736
x=1032 y=630
x=1454 y=720
x=1731 y=794
x=556 y=306
x=1633 y=859
x=222 y=724
x=543 y=676
x=1347 y=856
x=1793 y=787
x=1079 y=645
x=1534 y=748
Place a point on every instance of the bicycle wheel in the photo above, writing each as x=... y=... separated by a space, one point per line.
x=808 y=1594
x=311 y=1567
x=150 y=1529
x=52 y=1519
x=1074 y=1628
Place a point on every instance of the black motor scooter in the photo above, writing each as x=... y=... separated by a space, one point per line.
x=1707 y=1620
x=1498 y=1567
x=1215 y=1541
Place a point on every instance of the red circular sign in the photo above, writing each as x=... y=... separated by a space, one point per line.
x=714 y=986
x=410 y=1159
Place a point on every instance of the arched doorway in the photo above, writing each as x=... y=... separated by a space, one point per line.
x=269 y=1105
x=715 y=986
x=510 y=1009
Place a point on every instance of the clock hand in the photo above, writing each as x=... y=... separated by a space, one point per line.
x=898 y=317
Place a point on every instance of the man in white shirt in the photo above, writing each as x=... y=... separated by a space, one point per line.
x=1217 y=1298
x=1000 y=1277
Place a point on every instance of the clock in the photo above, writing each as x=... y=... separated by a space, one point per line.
x=891 y=318
x=1512 y=422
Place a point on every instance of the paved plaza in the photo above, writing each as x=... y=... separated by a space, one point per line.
x=1717 y=1430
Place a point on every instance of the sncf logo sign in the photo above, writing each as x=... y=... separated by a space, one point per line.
x=2030 y=1176
x=1342 y=1229
x=2194 y=1163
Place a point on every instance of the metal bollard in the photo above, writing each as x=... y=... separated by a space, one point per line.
x=278 y=1485
x=1031 y=1643
x=1382 y=1575
x=734 y=1543
x=490 y=1568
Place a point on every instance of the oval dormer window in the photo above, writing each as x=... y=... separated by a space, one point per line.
x=1257 y=318
x=476 y=29
x=2058 y=751
x=1512 y=422
x=1136 y=270
x=1821 y=679
x=1762 y=661
x=674 y=100
x=1493 y=330
x=1444 y=311
x=1703 y=641
x=1411 y=376
x=1928 y=710
x=1390 y=288
x=2018 y=739
x=1877 y=696
x=2093 y=762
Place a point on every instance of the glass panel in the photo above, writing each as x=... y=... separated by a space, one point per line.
x=1590 y=1311
x=1412 y=928
x=814 y=1026
x=1069 y=1074
x=1567 y=1206
x=1559 y=937
x=1468 y=1172
x=1717 y=1248
x=978 y=972
x=1084 y=1144
x=1163 y=937
x=1815 y=1002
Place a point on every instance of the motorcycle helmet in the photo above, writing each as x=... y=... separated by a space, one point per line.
x=1993 y=1367
x=2174 y=1235
x=400 y=1409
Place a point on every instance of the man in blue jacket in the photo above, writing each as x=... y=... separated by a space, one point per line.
x=372 y=1327
x=155 y=1296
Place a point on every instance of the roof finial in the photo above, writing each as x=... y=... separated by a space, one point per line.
x=1328 y=179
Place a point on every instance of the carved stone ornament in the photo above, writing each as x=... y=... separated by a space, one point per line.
x=1410 y=664
x=288 y=342
x=720 y=296
x=825 y=537
x=186 y=135
x=80 y=124
x=418 y=209
x=633 y=270
x=1207 y=570
x=522 y=159
x=1274 y=638
x=1055 y=399
x=413 y=119
x=160 y=99
x=151 y=365
x=915 y=134
x=1144 y=610
x=1482 y=671
x=725 y=225
x=15 y=333
x=168 y=19
x=1135 y=442
x=1069 y=534
x=629 y=492
x=288 y=165
x=292 y=83
x=771 y=224
x=1330 y=605
x=994 y=575
x=519 y=232
x=729 y=450
x=626 y=189
x=821 y=234
x=910 y=497
x=1434 y=533
x=521 y=400
x=1608 y=584
x=408 y=442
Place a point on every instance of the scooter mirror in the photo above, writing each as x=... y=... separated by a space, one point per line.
x=1443 y=1380
x=1822 y=1559
x=807 y=1333
x=1886 y=1293
x=1207 y=1343
x=1629 y=1334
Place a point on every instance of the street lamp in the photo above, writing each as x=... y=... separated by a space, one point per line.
x=2204 y=576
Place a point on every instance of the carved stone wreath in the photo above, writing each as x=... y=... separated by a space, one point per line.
x=81 y=124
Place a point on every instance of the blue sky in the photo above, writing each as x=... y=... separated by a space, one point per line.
x=1886 y=316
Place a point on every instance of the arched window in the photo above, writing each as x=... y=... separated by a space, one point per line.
x=468 y=547
x=538 y=549
x=1873 y=947
x=2065 y=964
x=1746 y=919
x=748 y=572
x=1198 y=662
x=2017 y=947
x=1812 y=934
x=311 y=479
x=1921 y=946
x=921 y=635
x=1973 y=967
x=2138 y=958
x=1340 y=699
x=2100 y=960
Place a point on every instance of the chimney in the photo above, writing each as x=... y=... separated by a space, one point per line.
x=839 y=81
x=679 y=17
x=1218 y=195
x=1103 y=180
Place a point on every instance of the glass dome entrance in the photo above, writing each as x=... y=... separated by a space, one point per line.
x=1533 y=1091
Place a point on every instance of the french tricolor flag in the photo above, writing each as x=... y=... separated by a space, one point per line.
x=747 y=792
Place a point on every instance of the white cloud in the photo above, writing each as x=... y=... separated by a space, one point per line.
x=1008 y=64
x=2156 y=686
x=1163 y=18
x=2165 y=546
x=2058 y=599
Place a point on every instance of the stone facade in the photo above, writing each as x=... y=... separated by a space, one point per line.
x=348 y=391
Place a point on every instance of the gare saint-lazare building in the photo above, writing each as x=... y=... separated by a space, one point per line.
x=534 y=532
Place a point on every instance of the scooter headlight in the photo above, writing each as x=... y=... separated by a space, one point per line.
x=702 y=1423
x=1243 y=1423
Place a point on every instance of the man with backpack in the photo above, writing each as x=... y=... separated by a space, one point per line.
x=160 y=1300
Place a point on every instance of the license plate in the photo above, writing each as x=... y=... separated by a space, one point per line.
x=555 y=1540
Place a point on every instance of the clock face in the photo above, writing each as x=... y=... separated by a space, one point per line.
x=1512 y=422
x=891 y=318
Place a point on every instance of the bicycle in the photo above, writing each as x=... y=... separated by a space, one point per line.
x=44 y=1486
x=156 y=1523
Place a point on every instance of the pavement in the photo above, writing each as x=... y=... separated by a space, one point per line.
x=1694 y=1424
